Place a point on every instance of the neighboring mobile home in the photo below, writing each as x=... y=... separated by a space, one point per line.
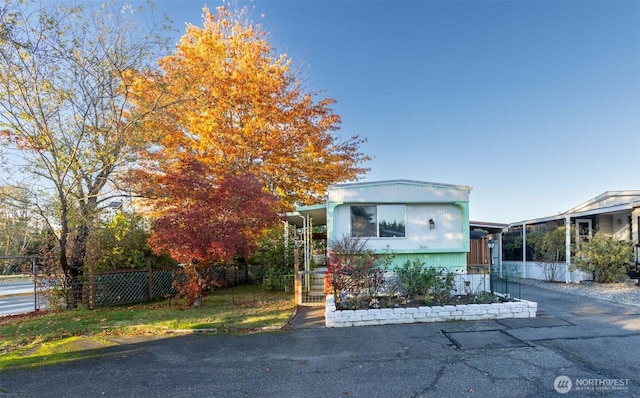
x=615 y=213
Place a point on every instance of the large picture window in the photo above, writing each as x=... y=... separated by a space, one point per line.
x=384 y=221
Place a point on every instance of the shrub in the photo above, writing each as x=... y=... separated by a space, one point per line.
x=355 y=271
x=413 y=278
x=426 y=282
x=606 y=257
x=119 y=243
x=275 y=256
x=549 y=251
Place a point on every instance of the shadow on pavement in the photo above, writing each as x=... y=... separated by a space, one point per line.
x=308 y=318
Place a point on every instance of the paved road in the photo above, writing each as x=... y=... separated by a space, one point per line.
x=595 y=344
x=15 y=287
x=13 y=305
x=16 y=297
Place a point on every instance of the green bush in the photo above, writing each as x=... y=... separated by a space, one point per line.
x=121 y=243
x=427 y=282
x=275 y=255
x=605 y=256
x=549 y=251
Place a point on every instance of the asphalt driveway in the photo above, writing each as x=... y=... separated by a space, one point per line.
x=594 y=344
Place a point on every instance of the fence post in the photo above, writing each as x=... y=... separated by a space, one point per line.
x=149 y=280
x=92 y=286
x=35 y=284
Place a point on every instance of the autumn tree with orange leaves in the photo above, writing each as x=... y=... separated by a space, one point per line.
x=243 y=110
x=240 y=111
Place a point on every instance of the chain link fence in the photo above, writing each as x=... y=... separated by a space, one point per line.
x=124 y=287
x=132 y=286
x=31 y=291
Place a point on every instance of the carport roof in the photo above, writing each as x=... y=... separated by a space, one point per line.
x=609 y=202
x=317 y=212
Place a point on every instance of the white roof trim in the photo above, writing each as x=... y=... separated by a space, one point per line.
x=317 y=212
x=578 y=214
x=602 y=197
x=405 y=182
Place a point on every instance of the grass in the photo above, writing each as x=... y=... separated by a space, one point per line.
x=55 y=337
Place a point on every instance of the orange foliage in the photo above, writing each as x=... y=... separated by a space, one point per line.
x=238 y=108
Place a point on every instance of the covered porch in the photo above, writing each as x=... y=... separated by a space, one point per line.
x=310 y=252
x=615 y=214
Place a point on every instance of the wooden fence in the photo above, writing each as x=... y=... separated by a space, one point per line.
x=479 y=256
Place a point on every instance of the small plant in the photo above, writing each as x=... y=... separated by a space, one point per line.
x=413 y=278
x=485 y=298
x=54 y=292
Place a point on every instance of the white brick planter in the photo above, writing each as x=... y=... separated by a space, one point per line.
x=388 y=316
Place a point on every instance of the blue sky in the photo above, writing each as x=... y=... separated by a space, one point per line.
x=534 y=104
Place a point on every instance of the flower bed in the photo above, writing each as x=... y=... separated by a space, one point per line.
x=466 y=312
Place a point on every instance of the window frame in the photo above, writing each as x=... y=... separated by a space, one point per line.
x=379 y=215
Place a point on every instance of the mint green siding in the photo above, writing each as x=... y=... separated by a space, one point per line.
x=451 y=261
x=446 y=245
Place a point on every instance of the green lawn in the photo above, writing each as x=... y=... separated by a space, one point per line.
x=55 y=337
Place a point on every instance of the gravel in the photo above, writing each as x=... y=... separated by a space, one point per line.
x=616 y=292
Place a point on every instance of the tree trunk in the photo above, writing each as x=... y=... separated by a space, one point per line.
x=76 y=266
x=64 y=261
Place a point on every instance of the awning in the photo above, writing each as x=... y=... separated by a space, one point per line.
x=318 y=213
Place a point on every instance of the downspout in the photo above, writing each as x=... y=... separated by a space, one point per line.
x=567 y=248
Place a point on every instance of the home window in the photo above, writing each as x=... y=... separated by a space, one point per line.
x=583 y=230
x=384 y=221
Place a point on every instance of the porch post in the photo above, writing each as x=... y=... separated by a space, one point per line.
x=297 y=291
x=305 y=243
x=567 y=248
x=310 y=242
x=307 y=254
x=524 y=250
x=286 y=243
x=500 y=253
